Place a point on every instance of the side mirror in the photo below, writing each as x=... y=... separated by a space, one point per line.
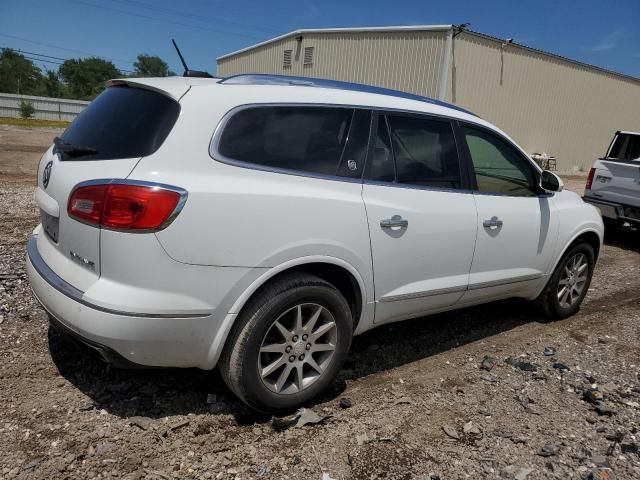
x=551 y=182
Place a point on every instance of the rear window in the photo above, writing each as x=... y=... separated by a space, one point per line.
x=122 y=122
x=625 y=148
x=304 y=139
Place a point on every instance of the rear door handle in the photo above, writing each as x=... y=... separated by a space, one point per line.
x=493 y=222
x=395 y=221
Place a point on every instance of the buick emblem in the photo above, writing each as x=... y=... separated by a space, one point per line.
x=46 y=174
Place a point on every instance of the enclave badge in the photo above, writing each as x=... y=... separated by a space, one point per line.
x=46 y=174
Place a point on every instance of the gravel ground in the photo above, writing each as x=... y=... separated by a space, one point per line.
x=566 y=405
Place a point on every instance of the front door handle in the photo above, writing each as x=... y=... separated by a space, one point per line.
x=493 y=222
x=394 y=222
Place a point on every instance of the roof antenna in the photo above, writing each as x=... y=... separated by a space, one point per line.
x=187 y=72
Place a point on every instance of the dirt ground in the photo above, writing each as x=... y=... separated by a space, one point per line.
x=422 y=408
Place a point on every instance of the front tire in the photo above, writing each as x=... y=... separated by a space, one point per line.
x=568 y=284
x=288 y=343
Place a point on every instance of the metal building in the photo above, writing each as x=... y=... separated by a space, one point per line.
x=547 y=103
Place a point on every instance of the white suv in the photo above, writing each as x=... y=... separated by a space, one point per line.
x=258 y=222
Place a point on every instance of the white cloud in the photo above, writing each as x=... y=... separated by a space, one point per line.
x=609 y=41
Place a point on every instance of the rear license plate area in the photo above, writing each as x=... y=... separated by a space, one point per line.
x=50 y=224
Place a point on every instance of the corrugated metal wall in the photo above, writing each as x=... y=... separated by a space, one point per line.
x=547 y=104
x=406 y=60
x=46 y=108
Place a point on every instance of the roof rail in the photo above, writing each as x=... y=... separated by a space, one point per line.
x=268 y=79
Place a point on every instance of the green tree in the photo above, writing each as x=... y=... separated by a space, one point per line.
x=26 y=109
x=53 y=87
x=85 y=77
x=19 y=75
x=150 y=66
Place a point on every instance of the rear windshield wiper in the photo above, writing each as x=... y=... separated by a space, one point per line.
x=72 y=150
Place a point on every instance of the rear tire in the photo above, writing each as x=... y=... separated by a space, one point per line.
x=288 y=343
x=568 y=284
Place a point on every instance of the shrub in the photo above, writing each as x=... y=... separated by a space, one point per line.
x=26 y=109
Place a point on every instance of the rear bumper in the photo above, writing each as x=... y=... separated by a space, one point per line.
x=615 y=211
x=123 y=338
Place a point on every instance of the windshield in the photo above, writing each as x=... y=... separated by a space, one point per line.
x=122 y=122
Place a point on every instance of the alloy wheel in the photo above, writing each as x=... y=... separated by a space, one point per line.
x=573 y=280
x=298 y=348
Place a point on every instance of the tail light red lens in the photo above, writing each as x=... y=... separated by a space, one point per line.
x=120 y=206
x=86 y=203
x=592 y=173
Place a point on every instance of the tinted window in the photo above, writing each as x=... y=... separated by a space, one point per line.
x=308 y=139
x=425 y=152
x=416 y=151
x=123 y=122
x=382 y=167
x=353 y=156
x=499 y=168
x=625 y=148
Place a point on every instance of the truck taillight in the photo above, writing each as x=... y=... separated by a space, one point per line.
x=125 y=206
x=592 y=173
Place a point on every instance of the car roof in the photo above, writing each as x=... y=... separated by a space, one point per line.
x=266 y=79
x=275 y=87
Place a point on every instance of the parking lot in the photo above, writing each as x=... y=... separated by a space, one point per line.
x=421 y=406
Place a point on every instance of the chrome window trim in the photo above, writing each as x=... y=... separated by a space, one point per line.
x=215 y=154
x=214 y=151
x=52 y=278
x=123 y=181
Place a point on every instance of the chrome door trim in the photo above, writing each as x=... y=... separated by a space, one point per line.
x=507 y=281
x=426 y=293
x=73 y=293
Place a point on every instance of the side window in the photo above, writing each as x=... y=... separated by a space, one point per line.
x=499 y=168
x=305 y=139
x=381 y=166
x=425 y=152
x=634 y=148
x=625 y=148
x=354 y=153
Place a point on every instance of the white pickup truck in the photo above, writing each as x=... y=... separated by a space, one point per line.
x=613 y=184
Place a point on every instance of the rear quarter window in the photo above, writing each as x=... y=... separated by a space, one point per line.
x=297 y=138
x=122 y=122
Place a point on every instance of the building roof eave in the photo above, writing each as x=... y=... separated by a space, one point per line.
x=303 y=31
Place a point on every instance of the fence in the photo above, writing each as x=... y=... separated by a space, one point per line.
x=46 y=108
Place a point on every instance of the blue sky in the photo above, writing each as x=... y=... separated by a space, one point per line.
x=603 y=33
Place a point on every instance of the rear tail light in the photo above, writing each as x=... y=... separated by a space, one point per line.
x=126 y=206
x=592 y=173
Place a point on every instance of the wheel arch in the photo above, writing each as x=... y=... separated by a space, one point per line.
x=336 y=271
x=590 y=236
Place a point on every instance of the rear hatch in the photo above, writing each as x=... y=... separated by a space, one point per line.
x=106 y=141
x=617 y=176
